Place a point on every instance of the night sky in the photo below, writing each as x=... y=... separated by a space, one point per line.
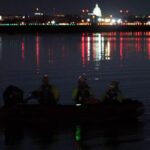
x=27 y=7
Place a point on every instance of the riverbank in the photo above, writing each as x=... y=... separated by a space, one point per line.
x=71 y=28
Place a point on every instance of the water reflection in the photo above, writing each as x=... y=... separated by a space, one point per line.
x=50 y=56
x=110 y=136
x=136 y=43
x=13 y=134
x=147 y=40
x=23 y=50
x=102 y=56
x=76 y=137
x=0 y=47
x=64 y=57
x=102 y=46
x=94 y=47
x=17 y=137
x=37 y=53
x=121 y=48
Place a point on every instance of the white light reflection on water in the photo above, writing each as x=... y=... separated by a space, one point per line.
x=121 y=56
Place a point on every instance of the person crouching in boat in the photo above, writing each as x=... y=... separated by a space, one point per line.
x=47 y=93
x=12 y=95
x=83 y=94
x=113 y=94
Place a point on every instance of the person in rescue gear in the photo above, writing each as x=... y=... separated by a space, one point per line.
x=12 y=96
x=113 y=93
x=47 y=93
x=82 y=93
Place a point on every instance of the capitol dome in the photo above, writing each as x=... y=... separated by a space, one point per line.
x=97 y=11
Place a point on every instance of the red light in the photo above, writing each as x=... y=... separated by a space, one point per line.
x=83 y=10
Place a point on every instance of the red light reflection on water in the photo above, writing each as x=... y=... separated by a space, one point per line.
x=37 y=52
x=84 y=48
x=103 y=46
x=148 y=44
x=112 y=40
x=121 y=46
x=130 y=42
x=82 y=51
x=22 y=51
x=138 y=42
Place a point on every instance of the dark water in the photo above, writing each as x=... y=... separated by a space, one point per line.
x=75 y=137
x=121 y=56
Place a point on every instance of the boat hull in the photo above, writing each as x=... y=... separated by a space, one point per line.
x=102 y=112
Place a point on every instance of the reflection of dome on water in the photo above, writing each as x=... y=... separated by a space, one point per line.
x=97 y=11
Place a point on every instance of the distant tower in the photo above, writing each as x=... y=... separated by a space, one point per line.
x=97 y=11
x=37 y=12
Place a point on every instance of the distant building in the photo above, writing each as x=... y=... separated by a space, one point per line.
x=94 y=16
x=1 y=18
x=38 y=13
x=97 y=11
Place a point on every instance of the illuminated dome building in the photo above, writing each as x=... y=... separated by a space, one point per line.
x=97 y=11
x=96 y=18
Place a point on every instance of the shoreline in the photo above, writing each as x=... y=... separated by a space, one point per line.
x=72 y=28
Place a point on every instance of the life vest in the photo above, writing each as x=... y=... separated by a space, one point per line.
x=114 y=95
x=48 y=95
x=81 y=95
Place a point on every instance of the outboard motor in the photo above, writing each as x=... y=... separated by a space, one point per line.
x=12 y=95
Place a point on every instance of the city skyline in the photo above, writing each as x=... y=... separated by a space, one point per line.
x=73 y=7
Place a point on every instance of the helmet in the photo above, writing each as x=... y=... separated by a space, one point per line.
x=82 y=77
x=45 y=78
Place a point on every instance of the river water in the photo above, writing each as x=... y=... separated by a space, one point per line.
x=103 y=57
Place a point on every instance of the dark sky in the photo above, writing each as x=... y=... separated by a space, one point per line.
x=27 y=7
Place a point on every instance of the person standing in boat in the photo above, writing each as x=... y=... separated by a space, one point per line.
x=82 y=94
x=13 y=95
x=113 y=93
x=47 y=93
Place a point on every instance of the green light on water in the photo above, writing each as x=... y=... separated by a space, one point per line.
x=78 y=133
